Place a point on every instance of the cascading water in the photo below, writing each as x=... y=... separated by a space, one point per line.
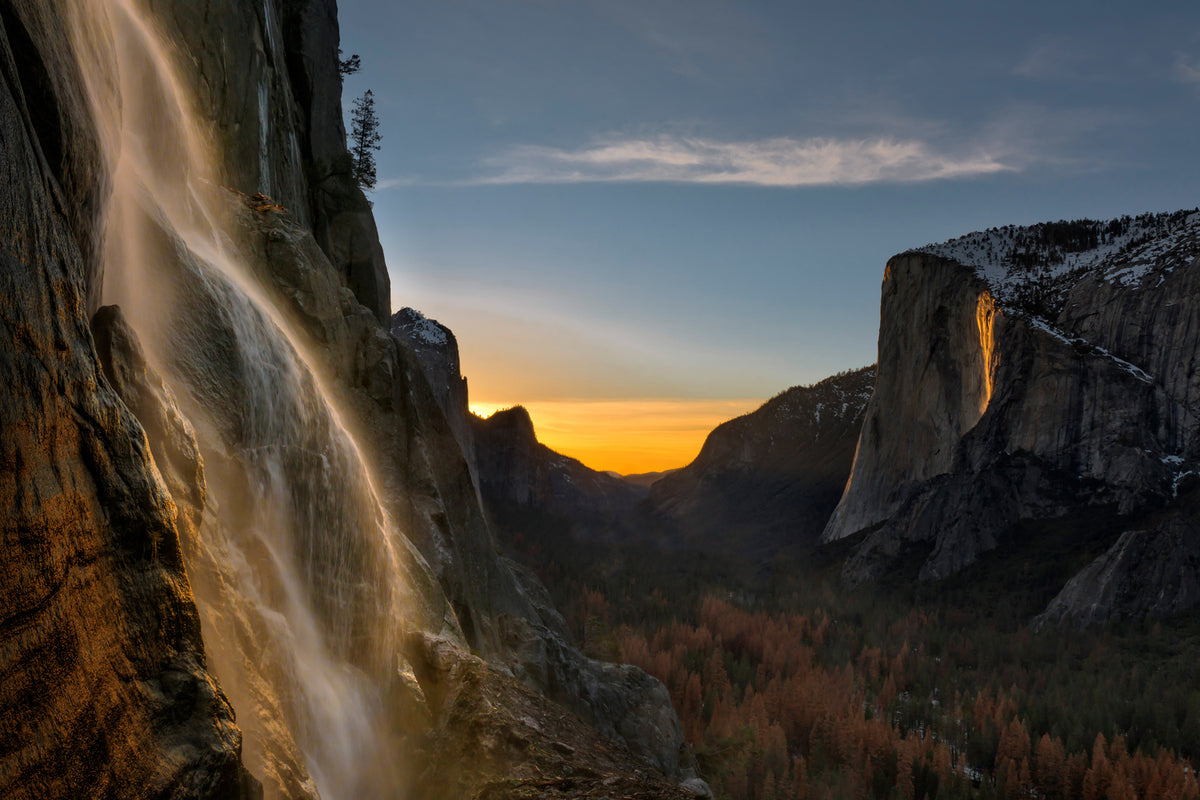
x=299 y=576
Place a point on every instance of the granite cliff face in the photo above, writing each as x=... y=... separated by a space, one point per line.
x=241 y=448
x=1024 y=372
x=105 y=688
x=771 y=478
x=272 y=97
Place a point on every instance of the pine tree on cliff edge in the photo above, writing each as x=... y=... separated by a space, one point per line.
x=365 y=138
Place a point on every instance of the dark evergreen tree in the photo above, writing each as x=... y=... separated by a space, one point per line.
x=365 y=139
x=348 y=66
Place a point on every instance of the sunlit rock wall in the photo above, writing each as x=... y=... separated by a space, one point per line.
x=936 y=359
x=103 y=685
x=984 y=416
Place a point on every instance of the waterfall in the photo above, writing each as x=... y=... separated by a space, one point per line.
x=301 y=579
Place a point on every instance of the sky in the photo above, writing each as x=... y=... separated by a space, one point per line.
x=641 y=218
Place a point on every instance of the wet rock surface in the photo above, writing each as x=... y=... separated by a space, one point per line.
x=104 y=689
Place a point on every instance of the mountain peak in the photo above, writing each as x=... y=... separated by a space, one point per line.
x=514 y=420
x=413 y=326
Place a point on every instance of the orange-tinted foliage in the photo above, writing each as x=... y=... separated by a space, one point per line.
x=771 y=719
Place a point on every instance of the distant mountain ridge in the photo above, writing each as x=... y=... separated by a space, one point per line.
x=762 y=482
x=519 y=476
x=646 y=479
x=770 y=478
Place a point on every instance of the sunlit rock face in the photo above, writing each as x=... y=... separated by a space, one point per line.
x=768 y=480
x=239 y=449
x=931 y=389
x=104 y=690
x=1023 y=373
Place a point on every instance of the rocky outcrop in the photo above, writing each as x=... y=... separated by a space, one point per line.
x=507 y=612
x=436 y=349
x=104 y=690
x=490 y=736
x=1147 y=573
x=771 y=478
x=1022 y=373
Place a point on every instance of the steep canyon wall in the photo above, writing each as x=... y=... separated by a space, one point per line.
x=1008 y=392
x=241 y=449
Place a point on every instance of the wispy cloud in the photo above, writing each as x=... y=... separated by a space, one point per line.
x=1053 y=59
x=1187 y=69
x=782 y=162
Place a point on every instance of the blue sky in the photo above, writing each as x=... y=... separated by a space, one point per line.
x=696 y=199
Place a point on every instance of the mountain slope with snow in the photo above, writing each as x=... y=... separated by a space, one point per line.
x=770 y=478
x=1031 y=268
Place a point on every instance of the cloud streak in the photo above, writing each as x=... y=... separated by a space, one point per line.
x=1187 y=70
x=781 y=162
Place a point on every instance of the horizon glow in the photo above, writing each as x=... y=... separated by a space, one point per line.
x=628 y=437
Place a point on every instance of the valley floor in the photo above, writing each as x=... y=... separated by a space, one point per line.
x=790 y=686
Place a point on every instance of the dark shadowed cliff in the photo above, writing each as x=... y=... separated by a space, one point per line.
x=771 y=478
x=520 y=479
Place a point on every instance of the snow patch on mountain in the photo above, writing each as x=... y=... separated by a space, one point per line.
x=429 y=332
x=1031 y=266
x=420 y=330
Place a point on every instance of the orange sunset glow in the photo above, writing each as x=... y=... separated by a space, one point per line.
x=626 y=436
